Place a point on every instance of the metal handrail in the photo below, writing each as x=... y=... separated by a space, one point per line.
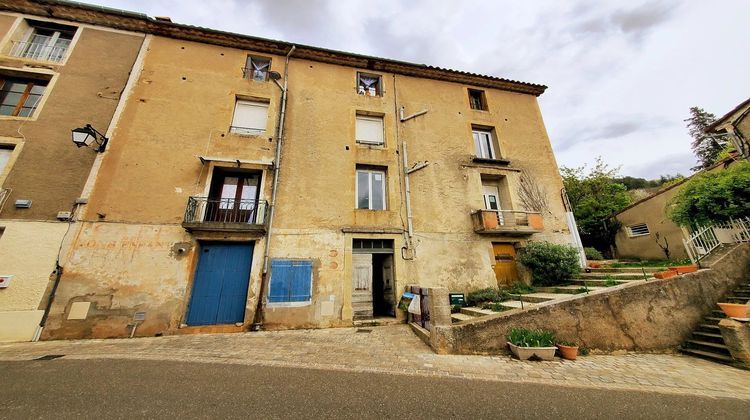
x=40 y=50
x=225 y=210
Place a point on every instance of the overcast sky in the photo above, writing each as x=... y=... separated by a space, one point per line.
x=622 y=75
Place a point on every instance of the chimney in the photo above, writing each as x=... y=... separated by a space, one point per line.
x=163 y=18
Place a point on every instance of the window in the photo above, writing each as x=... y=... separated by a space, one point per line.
x=477 y=100
x=369 y=129
x=44 y=41
x=483 y=144
x=369 y=84
x=249 y=117
x=20 y=96
x=370 y=189
x=639 y=229
x=291 y=281
x=257 y=68
x=5 y=153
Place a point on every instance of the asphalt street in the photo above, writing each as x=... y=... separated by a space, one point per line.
x=100 y=388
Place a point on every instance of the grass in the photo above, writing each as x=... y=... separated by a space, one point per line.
x=519 y=289
x=651 y=263
x=579 y=291
x=523 y=337
x=493 y=306
x=610 y=281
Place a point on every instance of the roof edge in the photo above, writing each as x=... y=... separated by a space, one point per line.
x=722 y=120
x=139 y=22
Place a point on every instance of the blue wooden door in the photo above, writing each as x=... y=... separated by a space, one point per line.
x=220 y=284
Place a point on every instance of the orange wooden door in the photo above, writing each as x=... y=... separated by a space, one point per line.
x=505 y=268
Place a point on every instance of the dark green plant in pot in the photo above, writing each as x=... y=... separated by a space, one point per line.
x=550 y=264
x=523 y=337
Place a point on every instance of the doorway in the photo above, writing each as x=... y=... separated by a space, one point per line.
x=506 y=271
x=373 y=283
x=219 y=294
x=233 y=197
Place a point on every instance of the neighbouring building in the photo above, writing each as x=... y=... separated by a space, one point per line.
x=55 y=75
x=646 y=228
x=367 y=175
x=735 y=127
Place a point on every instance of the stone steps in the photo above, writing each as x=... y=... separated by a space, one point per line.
x=474 y=311
x=708 y=355
x=628 y=270
x=458 y=317
x=516 y=304
x=706 y=336
x=543 y=297
x=615 y=276
x=597 y=282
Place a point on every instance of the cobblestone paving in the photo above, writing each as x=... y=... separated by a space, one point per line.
x=395 y=349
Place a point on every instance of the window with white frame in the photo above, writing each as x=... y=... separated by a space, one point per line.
x=257 y=68
x=483 y=143
x=369 y=84
x=5 y=153
x=638 y=229
x=291 y=282
x=44 y=41
x=250 y=117
x=369 y=129
x=370 y=189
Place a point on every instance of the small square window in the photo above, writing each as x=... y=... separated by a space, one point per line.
x=257 y=68
x=370 y=189
x=5 y=153
x=19 y=96
x=44 y=41
x=369 y=84
x=249 y=117
x=477 y=100
x=369 y=130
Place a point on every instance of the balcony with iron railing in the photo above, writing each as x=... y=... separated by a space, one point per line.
x=225 y=215
x=507 y=222
x=41 y=49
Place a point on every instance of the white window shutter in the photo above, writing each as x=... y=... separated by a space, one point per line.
x=369 y=129
x=250 y=116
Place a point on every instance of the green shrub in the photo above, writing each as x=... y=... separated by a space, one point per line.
x=523 y=337
x=550 y=264
x=455 y=309
x=592 y=254
x=477 y=297
x=712 y=197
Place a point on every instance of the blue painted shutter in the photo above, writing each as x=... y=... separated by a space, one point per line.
x=291 y=281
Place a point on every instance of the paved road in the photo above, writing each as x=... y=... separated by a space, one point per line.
x=137 y=388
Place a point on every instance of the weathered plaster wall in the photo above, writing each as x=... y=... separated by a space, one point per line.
x=652 y=316
x=28 y=251
x=85 y=89
x=653 y=213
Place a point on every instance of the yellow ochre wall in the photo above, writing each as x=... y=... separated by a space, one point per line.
x=127 y=257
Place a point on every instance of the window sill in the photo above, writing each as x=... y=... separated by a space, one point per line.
x=288 y=304
x=498 y=162
x=234 y=132
x=371 y=145
x=36 y=60
x=480 y=110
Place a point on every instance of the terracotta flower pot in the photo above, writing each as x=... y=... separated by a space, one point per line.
x=665 y=274
x=682 y=269
x=595 y=265
x=568 y=352
x=735 y=310
x=525 y=353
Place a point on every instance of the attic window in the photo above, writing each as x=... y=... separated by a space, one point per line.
x=256 y=68
x=369 y=84
x=638 y=229
x=477 y=100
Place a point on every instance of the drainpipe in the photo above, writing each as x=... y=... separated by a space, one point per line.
x=258 y=318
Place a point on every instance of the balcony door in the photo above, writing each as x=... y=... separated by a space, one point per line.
x=234 y=197
x=491 y=196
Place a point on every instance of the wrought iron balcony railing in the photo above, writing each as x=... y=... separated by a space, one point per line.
x=41 y=50
x=508 y=222
x=225 y=214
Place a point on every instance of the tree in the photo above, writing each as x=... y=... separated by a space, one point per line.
x=713 y=197
x=706 y=148
x=595 y=196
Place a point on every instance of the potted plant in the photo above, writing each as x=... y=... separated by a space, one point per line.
x=568 y=350
x=735 y=310
x=526 y=343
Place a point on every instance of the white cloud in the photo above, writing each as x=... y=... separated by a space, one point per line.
x=621 y=75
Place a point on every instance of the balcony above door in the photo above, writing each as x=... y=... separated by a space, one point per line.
x=205 y=214
x=507 y=222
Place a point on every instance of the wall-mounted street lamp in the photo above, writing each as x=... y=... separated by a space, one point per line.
x=87 y=135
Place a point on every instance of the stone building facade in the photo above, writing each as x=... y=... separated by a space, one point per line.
x=218 y=188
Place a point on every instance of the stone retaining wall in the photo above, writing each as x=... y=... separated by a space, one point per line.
x=652 y=316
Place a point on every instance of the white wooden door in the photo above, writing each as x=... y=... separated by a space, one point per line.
x=492 y=200
x=362 y=286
